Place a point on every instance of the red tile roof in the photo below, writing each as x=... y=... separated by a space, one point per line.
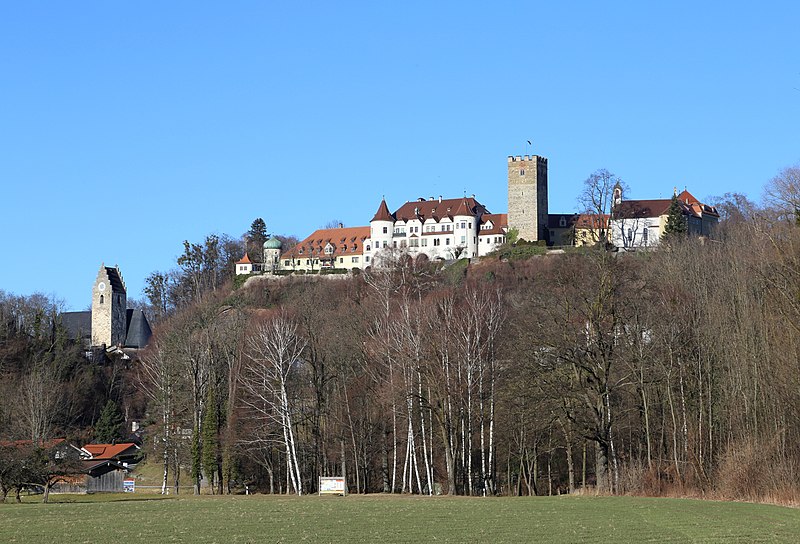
x=244 y=260
x=439 y=209
x=499 y=222
x=630 y=209
x=47 y=444
x=592 y=221
x=345 y=240
x=383 y=212
x=635 y=209
x=109 y=451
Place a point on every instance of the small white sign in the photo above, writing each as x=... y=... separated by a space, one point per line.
x=332 y=486
x=129 y=485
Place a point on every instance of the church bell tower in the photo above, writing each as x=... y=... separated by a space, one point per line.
x=109 y=304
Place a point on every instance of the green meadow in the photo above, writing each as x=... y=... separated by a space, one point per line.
x=125 y=519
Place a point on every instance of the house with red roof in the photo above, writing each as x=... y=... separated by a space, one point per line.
x=638 y=224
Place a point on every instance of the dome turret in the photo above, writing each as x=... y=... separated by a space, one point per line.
x=272 y=243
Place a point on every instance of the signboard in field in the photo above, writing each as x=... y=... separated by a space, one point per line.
x=332 y=486
x=129 y=485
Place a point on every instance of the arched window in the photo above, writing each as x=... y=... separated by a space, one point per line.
x=101 y=299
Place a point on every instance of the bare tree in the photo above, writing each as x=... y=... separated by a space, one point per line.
x=275 y=350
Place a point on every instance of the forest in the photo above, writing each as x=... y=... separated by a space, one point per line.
x=666 y=372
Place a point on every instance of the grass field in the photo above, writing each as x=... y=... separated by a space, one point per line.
x=239 y=519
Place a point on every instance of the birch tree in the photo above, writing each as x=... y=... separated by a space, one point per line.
x=275 y=350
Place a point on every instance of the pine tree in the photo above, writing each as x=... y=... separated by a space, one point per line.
x=109 y=425
x=256 y=237
x=676 y=222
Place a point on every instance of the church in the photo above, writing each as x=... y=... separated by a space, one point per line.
x=110 y=324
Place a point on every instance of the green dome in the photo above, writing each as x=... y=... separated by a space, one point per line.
x=272 y=243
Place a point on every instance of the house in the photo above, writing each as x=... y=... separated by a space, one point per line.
x=577 y=229
x=637 y=224
x=244 y=265
x=342 y=247
x=108 y=465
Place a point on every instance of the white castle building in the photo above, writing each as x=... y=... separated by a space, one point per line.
x=439 y=228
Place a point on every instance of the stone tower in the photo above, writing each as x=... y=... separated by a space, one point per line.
x=527 y=196
x=109 y=303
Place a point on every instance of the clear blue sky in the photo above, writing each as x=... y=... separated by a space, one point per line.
x=127 y=127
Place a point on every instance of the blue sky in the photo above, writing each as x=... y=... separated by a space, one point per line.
x=127 y=127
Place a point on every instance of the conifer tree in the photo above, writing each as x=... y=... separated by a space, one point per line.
x=256 y=237
x=676 y=222
x=109 y=425
x=209 y=437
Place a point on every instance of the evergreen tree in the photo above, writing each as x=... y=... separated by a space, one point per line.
x=676 y=222
x=109 y=425
x=256 y=237
x=209 y=437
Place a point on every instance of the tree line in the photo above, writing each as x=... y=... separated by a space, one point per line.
x=667 y=371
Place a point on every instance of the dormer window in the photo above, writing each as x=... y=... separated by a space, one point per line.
x=562 y=222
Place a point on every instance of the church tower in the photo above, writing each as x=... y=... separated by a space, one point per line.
x=527 y=196
x=109 y=305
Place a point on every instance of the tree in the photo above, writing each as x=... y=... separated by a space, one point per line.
x=676 y=222
x=267 y=377
x=109 y=425
x=256 y=237
x=210 y=438
x=596 y=199
x=783 y=194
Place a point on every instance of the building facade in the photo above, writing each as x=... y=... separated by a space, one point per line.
x=640 y=224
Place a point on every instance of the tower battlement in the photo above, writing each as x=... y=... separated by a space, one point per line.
x=526 y=158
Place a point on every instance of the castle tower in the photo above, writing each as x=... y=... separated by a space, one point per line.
x=527 y=196
x=109 y=304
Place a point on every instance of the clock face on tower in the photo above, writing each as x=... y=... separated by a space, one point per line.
x=101 y=287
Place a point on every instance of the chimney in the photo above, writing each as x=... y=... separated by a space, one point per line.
x=440 y=199
x=341 y=225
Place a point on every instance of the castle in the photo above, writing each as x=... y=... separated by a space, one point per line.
x=438 y=228
x=110 y=324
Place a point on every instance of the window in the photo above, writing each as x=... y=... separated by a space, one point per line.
x=414 y=242
x=385 y=230
x=644 y=235
x=354 y=259
x=463 y=239
x=394 y=243
x=366 y=259
x=424 y=242
x=368 y=249
x=285 y=263
x=521 y=171
x=447 y=241
x=341 y=259
x=101 y=299
x=436 y=241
